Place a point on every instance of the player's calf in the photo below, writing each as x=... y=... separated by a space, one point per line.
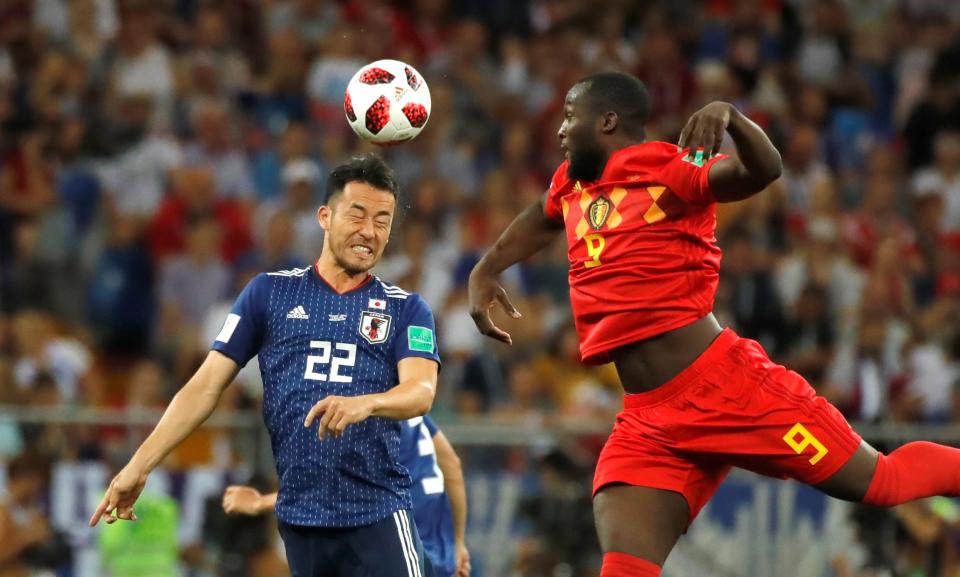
x=913 y=471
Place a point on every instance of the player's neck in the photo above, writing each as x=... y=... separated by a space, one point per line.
x=621 y=141
x=337 y=277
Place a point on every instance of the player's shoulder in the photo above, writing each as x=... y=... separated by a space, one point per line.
x=294 y=273
x=431 y=425
x=406 y=299
x=264 y=282
x=560 y=180
x=392 y=291
x=653 y=153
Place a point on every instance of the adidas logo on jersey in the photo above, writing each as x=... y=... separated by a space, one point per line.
x=297 y=312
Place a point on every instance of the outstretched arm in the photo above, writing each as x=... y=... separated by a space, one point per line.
x=190 y=407
x=527 y=235
x=454 y=486
x=731 y=179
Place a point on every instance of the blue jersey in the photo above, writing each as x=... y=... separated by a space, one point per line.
x=431 y=507
x=314 y=342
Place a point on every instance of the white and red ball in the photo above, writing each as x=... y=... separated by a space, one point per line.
x=387 y=102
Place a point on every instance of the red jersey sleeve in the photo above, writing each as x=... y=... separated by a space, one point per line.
x=552 y=208
x=688 y=178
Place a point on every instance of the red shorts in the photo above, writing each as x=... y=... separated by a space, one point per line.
x=732 y=407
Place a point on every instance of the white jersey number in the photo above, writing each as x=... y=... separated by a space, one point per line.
x=432 y=485
x=324 y=358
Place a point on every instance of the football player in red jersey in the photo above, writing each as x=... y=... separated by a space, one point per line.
x=640 y=220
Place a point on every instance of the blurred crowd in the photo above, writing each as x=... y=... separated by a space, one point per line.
x=155 y=155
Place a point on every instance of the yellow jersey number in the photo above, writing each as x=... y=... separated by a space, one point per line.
x=799 y=438
x=595 y=244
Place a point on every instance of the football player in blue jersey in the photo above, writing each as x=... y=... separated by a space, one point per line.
x=439 y=497
x=345 y=358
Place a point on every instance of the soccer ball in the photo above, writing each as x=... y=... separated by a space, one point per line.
x=386 y=102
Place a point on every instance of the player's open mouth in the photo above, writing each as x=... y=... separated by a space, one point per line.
x=361 y=250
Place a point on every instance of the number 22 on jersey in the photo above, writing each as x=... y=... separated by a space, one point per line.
x=325 y=357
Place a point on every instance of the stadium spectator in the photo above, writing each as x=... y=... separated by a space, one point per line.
x=194 y=197
x=943 y=179
x=214 y=148
x=24 y=527
x=120 y=297
x=299 y=204
x=137 y=63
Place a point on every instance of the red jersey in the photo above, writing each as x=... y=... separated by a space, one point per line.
x=641 y=243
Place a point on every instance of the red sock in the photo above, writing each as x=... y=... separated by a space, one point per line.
x=913 y=471
x=622 y=565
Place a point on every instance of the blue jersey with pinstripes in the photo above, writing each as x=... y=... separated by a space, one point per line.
x=314 y=342
x=431 y=505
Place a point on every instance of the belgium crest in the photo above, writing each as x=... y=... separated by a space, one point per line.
x=598 y=212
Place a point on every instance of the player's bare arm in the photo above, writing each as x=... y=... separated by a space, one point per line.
x=527 y=235
x=757 y=164
x=413 y=397
x=244 y=500
x=456 y=490
x=190 y=407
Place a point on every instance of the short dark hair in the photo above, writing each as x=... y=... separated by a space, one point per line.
x=369 y=169
x=618 y=92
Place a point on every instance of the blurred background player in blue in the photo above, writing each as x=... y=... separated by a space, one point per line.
x=338 y=347
x=439 y=496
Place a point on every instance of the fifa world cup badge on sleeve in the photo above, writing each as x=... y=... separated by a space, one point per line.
x=420 y=339
x=374 y=327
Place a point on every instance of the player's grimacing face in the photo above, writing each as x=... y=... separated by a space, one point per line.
x=357 y=224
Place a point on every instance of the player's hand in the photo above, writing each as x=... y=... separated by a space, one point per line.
x=337 y=413
x=463 y=560
x=122 y=493
x=240 y=500
x=704 y=131
x=485 y=292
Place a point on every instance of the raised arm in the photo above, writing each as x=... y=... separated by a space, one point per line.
x=190 y=407
x=456 y=489
x=731 y=179
x=527 y=235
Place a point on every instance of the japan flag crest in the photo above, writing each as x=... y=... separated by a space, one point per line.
x=374 y=327
x=378 y=304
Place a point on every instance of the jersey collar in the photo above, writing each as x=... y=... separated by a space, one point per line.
x=363 y=284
